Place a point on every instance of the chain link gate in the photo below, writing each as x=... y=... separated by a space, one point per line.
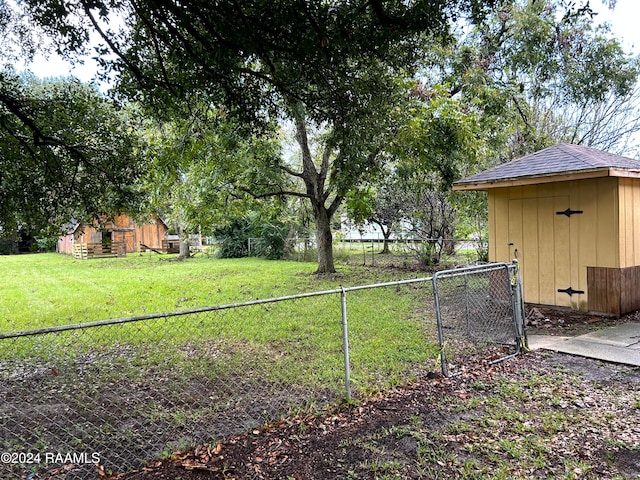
x=480 y=315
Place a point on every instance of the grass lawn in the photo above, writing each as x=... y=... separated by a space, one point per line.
x=229 y=370
x=51 y=289
x=387 y=325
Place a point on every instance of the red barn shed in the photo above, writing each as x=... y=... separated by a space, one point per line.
x=123 y=231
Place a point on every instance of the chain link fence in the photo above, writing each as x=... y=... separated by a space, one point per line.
x=110 y=396
x=401 y=251
x=113 y=395
x=480 y=315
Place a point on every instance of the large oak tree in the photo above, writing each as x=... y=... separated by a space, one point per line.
x=338 y=67
x=65 y=152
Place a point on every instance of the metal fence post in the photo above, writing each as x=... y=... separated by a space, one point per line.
x=345 y=343
x=519 y=314
x=467 y=309
x=436 y=300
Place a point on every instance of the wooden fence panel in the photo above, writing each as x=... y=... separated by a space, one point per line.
x=613 y=290
x=603 y=289
x=630 y=289
x=84 y=251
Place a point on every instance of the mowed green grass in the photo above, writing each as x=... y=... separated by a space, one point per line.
x=387 y=325
x=51 y=289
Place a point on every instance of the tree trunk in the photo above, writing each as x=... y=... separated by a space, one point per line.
x=314 y=179
x=386 y=234
x=185 y=249
x=385 y=245
x=324 y=241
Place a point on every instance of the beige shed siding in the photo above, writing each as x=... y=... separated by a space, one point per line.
x=496 y=252
x=607 y=233
x=555 y=249
x=560 y=248
x=540 y=237
x=629 y=194
x=583 y=244
x=627 y=235
x=546 y=238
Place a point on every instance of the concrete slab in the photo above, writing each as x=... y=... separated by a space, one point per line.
x=624 y=335
x=600 y=351
x=619 y=344
x=537 y=342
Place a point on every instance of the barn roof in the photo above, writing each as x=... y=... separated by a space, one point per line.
x=71 y=227
x=561 y=162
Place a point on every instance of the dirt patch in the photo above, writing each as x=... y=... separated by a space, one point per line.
x=539 y=415
x=125 y=405
x=561 y=321
x=628 y=461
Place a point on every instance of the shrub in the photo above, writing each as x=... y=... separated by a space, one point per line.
x=233 y=239
x=268 y=239
x=47 y=244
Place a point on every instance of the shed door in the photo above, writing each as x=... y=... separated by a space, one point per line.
x=127 y=237
x=541 y=238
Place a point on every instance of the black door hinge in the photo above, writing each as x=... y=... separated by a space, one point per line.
x=568 y=212
x=570 y=291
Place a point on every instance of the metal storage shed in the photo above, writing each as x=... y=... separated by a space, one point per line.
x=571 y=214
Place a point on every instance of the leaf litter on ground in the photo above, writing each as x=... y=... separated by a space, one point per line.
x=538 y=415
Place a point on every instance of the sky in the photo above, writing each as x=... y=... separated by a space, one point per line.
x=624 y=22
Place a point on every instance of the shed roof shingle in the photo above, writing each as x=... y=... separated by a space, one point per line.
x=560 y=159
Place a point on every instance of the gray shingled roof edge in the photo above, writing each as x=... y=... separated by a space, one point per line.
x=561 y=159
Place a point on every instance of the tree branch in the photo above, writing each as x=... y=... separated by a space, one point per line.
x=280 y=193
x=308 y=167
x=40 y=139
x=291 y=172
x=335 y=204
x=114 y=48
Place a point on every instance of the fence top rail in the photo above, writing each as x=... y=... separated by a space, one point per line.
x=487 y=267
x=155 y=316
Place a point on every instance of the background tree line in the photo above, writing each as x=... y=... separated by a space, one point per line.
x=284 y=113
